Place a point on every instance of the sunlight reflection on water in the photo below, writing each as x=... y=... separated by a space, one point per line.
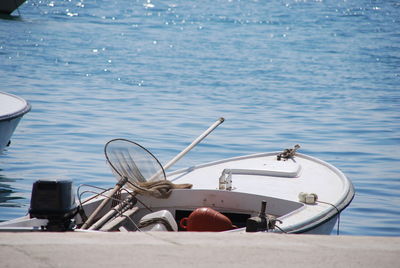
x=321 y=74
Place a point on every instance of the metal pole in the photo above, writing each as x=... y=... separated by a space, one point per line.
x=194 y=143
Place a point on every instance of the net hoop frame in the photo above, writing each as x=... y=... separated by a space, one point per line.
x=132 y=181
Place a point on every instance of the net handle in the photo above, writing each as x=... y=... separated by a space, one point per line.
x=194 y=143
x=190 y=147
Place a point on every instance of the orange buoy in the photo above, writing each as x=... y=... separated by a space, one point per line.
x=206 y=220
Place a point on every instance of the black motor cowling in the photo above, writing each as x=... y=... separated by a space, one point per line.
x=54 y=201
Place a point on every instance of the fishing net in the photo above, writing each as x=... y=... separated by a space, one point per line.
x=143 y=171
x=131 y=160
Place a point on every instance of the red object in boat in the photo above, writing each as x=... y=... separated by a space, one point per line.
x=206 y=220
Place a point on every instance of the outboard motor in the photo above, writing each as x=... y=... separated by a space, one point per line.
x=54 y=201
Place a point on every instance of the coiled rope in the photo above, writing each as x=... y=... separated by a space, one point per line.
x=158 y=189
x=288 y=153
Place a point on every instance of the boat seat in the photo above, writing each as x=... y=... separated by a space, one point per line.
x=158 y=221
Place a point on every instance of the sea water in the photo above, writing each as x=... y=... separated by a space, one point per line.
x=324 y=74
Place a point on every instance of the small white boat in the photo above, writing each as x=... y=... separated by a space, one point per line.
x=12 y=108
x=283 y=192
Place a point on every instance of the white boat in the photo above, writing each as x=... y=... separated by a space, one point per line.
x=12 y=108
x=283 y=192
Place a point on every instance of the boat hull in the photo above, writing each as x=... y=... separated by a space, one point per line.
x=228 y=203
x=8 y=6
x=13 y=108
x=250 y=182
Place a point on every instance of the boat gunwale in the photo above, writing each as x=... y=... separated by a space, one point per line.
x=16 y=114
x=327 y=217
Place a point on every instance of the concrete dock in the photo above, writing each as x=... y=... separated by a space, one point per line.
x=162 y=249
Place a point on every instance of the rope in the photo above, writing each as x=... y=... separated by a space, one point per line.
x=288 y=153
x=283 y=231
x=87 y=185
x=338 y=223
x=79 y=195
x=158 y=189
x=155 y=221
x=97 y=195
x=134 y=224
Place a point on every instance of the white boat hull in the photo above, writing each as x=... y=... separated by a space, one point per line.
x=12 y=109
x=249 y=180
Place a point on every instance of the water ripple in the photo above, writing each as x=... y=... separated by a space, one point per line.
x=323 y=74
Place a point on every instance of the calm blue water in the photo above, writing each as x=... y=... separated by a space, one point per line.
x=324 y=74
